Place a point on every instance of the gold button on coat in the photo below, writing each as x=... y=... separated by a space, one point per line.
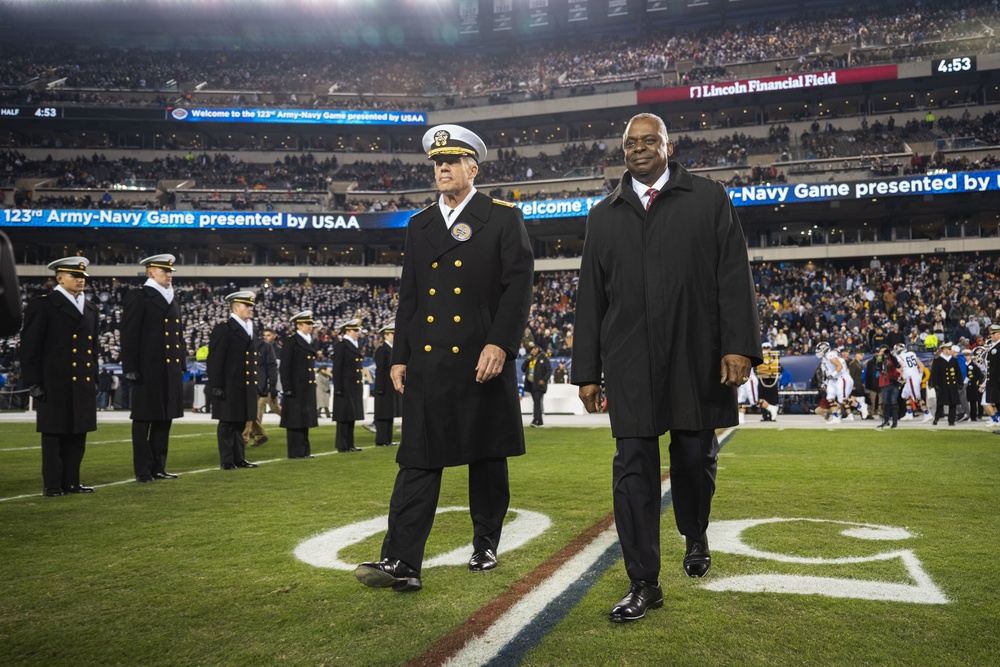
x=427 y=348
x=455 y=350
x=458 y=262
x=458 y=318
x=432 y=293
x=458 y=290
x=434 y=265
x=430 y=318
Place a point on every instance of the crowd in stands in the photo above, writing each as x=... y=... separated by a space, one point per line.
x=892 y=32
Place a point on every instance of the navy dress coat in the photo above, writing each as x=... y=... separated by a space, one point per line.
x=388 y=401
x=232 y=366
x=348 y=399
x=298 y=378
x=152 y=344
x=663 y=296
x=59 y=353
x=461 y=290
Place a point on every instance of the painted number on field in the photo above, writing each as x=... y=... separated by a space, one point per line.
x=726 y=537
x=324 y=550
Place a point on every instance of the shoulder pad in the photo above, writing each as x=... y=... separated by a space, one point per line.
x=428 y=207
x=504 y=203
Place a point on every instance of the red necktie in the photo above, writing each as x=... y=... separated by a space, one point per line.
x=651 y=193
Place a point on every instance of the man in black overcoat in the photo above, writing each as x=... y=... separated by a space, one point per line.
x=667 y=315
x=59 y=366
x=231 y=365
x=267 y=388
x=537 y=369
x=946 y=378
x=298 y=383
x=991 y=389
x=464 y=298
x=348 y=390
x=388 y=401
x=153 y=355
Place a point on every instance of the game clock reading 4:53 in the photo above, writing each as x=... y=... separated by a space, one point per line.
x=954 y=65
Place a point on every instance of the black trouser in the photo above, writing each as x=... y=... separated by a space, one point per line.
x=383 y=431
x=61 y=457
x=414 y=502
x=149 y=446
x=975 y=401
x=539 y=399
x=636 y=489
x=232 y=446
x=939 y=412
x=298 y=442
x=345 y=436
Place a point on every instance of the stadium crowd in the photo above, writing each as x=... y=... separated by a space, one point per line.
x=879 y=31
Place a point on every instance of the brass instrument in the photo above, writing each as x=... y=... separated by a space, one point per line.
x=769 y=371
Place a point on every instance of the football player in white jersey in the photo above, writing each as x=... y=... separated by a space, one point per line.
x=748 y=395
x=837 y=380
x=911 y=371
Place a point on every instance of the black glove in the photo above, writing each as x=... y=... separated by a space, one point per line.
x=262 y=392
x=380 y=393
x=134 y=376
x=274 y=393
x=37 y=392
x=289 y=394
x=338 y=393
x=219 y=393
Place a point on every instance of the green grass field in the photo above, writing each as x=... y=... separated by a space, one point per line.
x=200 y=571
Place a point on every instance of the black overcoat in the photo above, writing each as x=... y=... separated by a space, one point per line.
x=152 y=344
x=663 y=296
x=993 y=375
x=455 y=297
x=946 y=377
x=59 y=352
x=232 y=366
x=348 y=399
x=298 y=376
x=543 y=370
x=388 y=401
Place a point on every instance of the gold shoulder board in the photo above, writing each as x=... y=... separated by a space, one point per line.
x=504 y=203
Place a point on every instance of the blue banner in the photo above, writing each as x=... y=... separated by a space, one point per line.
x=755 y=195
x=298 y=116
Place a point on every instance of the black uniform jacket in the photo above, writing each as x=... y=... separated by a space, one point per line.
x=59 y=352
x=231 y=365
x=388 y=401
x=946 y=378
x=298 y=377
x=663 y=296
x=153 y=345
x=267 y=367
x=993 y=375
x=543 y=369
x=348 y=400
x=461 y=290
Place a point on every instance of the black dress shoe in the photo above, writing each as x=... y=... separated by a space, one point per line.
x=53 y=493
x=305 y=456
x=697 y=558
x=145 y=480
x=229 y=466
x=246 y=464
x=353 y=449
x=483 y=561
x=389 y=573
x=165 y=475
x=77 y=488
x=642 y=595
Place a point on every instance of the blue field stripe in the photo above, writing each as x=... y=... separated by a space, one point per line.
x=532 y=635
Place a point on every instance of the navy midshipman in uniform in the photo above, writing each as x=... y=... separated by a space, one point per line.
x=298 y=382
x=348 y=390
x=232 y=381
x=153 y=355
x=388 y=401
x=59 y=366
x=463 y=305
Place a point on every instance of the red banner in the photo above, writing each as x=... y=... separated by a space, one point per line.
x=770 y=84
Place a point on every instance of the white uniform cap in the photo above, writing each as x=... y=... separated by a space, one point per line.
x=453 y=140
x=243 y=296
x=164 y=261
x=351 y=325
x=75 y=265
x=302 y=317
x=389 y=327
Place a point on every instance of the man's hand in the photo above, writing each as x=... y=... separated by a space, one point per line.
x=37 y=392
x=590 y=394
x=289 y=394
x=219 y=393
x=735 y=370
x=398 y=376
x=491 y=361
x=134 y=376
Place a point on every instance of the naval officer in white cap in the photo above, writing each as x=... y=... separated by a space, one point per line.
x=298 y=382
x=153 y=358
x=463 y=305
x=59 y=365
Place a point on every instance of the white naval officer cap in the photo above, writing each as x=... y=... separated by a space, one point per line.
x=164 y=261
x=995 y=328
x=243 y=296
x=351 y=325
x=443 y=140
x=75 y=265
x=388 y=327
x=302 y=317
